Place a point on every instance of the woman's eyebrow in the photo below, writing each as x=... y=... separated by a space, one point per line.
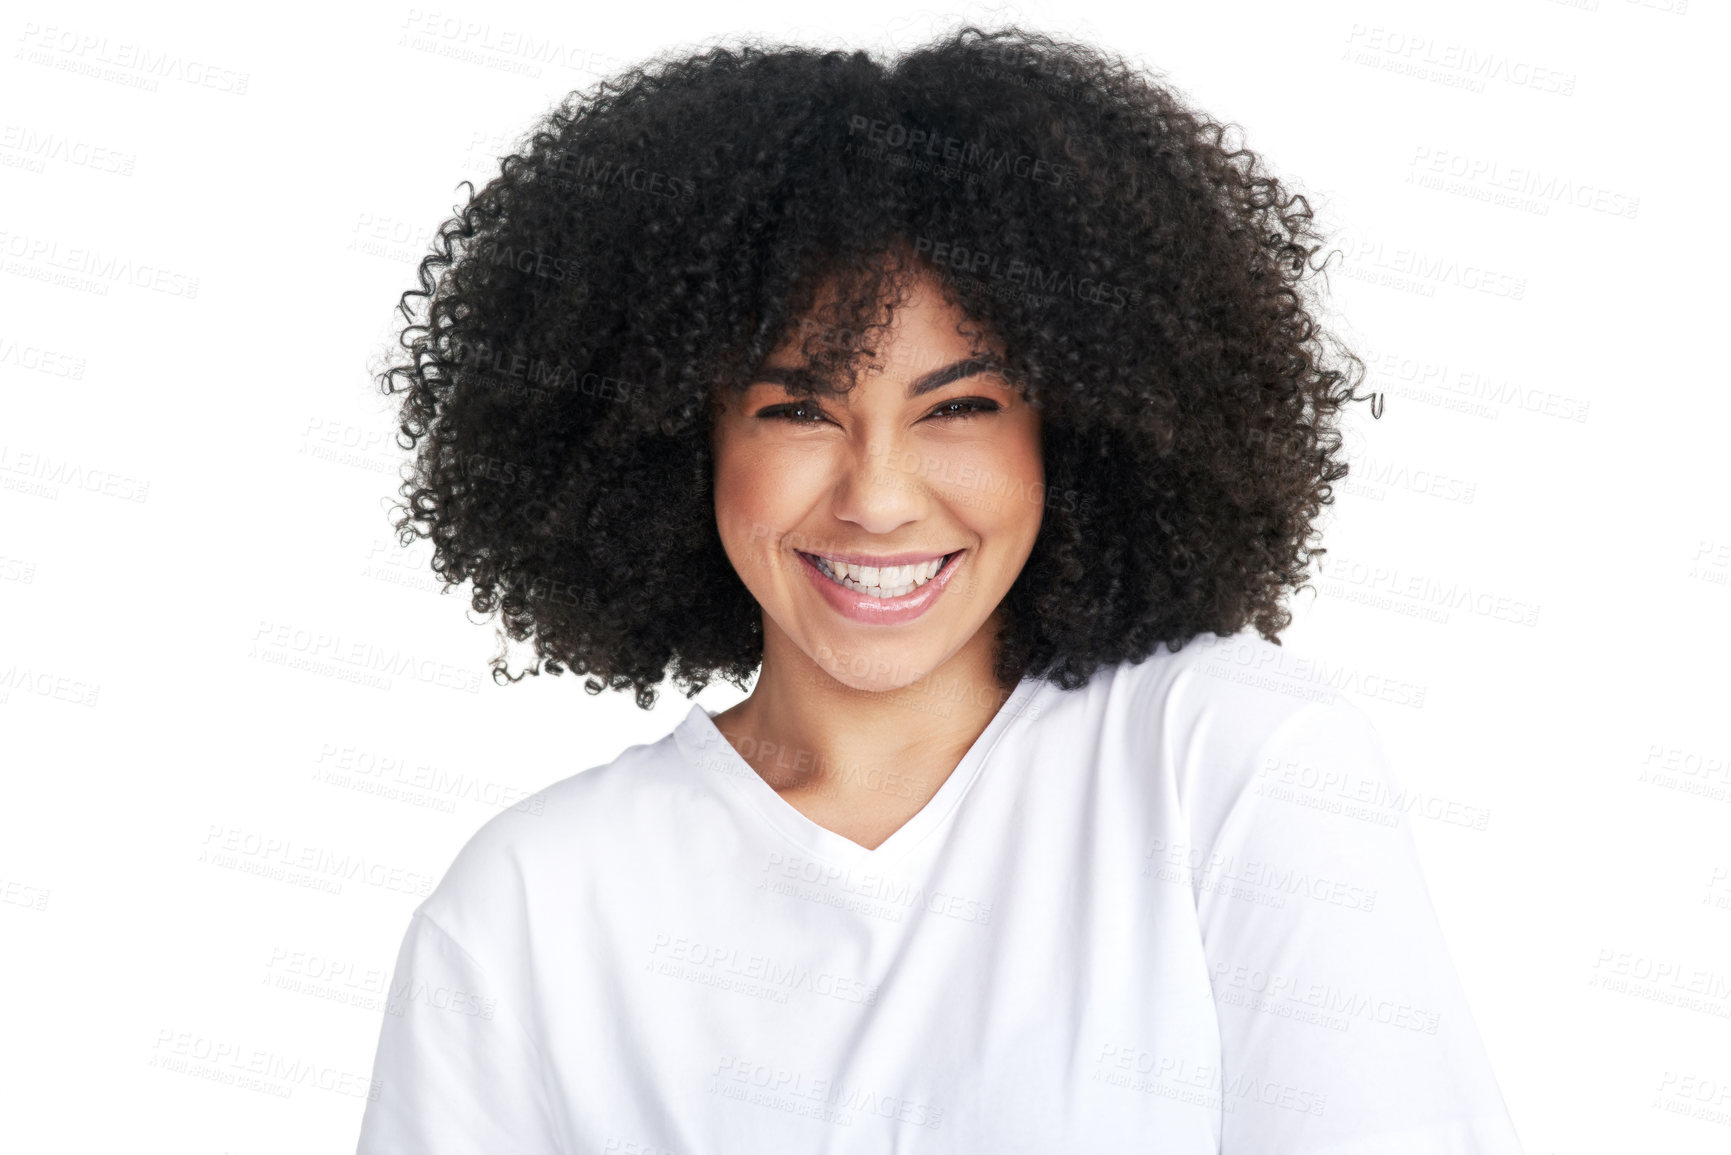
x=938 y=378
x=791 y=376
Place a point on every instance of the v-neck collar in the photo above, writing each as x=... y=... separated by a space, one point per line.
x=706 y=748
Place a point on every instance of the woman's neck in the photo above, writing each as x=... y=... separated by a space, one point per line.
x=862 y=762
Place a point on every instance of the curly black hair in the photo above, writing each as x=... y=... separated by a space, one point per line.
x=656 y=237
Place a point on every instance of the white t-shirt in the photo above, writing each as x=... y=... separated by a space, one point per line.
x=1177 y=910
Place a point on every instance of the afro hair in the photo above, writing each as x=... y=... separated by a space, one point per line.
x=657 y=237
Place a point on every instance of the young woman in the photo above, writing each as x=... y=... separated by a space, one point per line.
x=971 y=404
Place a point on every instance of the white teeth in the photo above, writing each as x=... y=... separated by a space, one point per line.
x=885 y=582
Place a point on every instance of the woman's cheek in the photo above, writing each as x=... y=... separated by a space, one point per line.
x=753 y=506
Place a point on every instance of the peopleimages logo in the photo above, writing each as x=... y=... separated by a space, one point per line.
x=986 y=266
x=957 y=153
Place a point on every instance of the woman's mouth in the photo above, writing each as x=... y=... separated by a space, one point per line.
x=881 y=595
x=888 y=582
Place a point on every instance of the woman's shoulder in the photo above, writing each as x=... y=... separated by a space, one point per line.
x=1220 y=685
x=1216 y=711
x=547 y=838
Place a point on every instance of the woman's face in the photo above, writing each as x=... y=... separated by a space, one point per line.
x=923 y=465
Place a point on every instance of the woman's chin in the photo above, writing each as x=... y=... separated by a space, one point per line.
x=873 y=669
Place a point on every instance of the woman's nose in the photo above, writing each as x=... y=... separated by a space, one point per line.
x=874 y=491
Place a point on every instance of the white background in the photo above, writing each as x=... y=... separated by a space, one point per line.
x=1529 y=583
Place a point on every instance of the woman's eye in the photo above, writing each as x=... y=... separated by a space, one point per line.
x=805 y=413
x=799 y=413
x=964 y=407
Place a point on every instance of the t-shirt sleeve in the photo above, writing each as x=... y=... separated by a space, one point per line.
x=1343 y=1026
x=456 y=1072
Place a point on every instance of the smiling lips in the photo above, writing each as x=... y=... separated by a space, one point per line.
x=883 y=594
x=882 y=581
